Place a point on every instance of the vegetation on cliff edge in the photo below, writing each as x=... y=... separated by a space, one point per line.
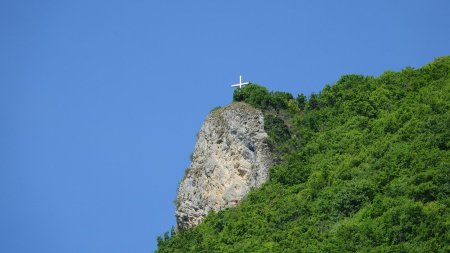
x=364 y=167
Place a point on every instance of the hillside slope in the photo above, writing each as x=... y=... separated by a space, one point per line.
x=364 y=166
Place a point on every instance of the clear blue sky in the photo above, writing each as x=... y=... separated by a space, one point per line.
x=100 y=101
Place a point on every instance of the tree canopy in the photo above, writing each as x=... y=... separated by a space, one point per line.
x=364 y=167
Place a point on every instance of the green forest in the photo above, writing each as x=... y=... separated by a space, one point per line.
x=362 y=166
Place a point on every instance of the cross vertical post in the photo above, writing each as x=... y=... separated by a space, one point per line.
x=240 y=84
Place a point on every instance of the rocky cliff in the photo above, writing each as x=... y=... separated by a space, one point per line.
x=230 y=158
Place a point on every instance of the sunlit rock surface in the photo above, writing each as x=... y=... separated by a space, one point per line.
x=230 y=158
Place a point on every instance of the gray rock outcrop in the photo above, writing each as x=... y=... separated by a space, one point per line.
x=231 y=157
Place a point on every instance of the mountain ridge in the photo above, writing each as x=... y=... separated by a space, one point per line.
x=364 y=166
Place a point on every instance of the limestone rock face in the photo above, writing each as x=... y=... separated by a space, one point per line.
x=230 y=158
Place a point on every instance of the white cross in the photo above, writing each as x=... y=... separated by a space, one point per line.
x=240 y=84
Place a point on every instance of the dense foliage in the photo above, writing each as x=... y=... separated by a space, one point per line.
x=365 y=167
